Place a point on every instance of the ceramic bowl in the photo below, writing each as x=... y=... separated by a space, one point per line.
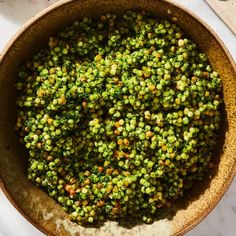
x=42 y=211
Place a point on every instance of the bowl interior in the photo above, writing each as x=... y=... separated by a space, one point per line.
x=44 y=212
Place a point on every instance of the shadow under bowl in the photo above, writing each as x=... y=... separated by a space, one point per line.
x=42 y=211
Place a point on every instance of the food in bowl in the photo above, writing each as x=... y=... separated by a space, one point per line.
x=119 y=115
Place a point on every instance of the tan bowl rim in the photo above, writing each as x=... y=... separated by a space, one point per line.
x=54 y=6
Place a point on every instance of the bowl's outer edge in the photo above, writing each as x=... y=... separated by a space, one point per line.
x=54 y=6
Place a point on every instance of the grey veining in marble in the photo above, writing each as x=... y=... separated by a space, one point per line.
x=220 y=222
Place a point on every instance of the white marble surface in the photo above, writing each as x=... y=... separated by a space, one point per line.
x=220 y=222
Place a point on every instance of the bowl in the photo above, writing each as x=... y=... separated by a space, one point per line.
x=42 y=211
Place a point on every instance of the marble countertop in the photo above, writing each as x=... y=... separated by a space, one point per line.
x=220 y=222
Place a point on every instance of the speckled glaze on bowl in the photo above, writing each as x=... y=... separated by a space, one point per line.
x=40 y=209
